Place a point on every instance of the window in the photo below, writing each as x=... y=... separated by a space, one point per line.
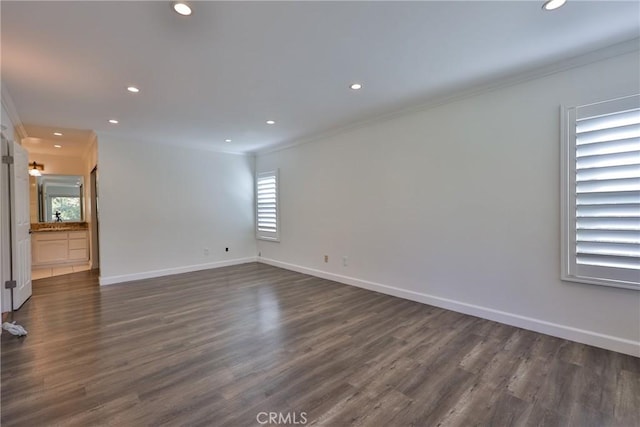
x=601 y=193
x=267 y=209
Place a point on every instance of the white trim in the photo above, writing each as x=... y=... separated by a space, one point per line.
x=9 y=107
x=595 y=339
x=618 y=49
x=570 y=271
x=110 y=280
x=600 y=282
x=565 y=193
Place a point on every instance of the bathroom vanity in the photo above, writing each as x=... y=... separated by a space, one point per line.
x=55 y=244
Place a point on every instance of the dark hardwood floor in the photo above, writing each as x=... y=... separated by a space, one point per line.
x=218 y=347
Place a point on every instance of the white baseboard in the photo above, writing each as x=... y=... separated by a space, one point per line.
x=595 y=339
x=111 y=280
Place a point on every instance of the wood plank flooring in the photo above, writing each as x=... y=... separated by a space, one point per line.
x=218 y=347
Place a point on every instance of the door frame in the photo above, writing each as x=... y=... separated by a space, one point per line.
x=95 y=230
x=6 y=261
x=5 y=239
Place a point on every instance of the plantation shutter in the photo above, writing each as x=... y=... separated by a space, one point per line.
x=606 y=200
x=267 y=221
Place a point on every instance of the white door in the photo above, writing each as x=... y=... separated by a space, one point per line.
x=20 y=224
x=5 y=226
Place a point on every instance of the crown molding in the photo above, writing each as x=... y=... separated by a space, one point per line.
x=9 y=106
x=619 y=49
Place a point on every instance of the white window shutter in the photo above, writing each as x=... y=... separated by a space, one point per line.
x=602 y=212
x=267 y=206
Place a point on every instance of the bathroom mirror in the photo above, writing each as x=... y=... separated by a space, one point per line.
x=60 y=198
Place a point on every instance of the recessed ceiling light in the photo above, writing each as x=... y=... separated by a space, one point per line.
x=57 y=134
x=227 y=140
x=133 y=89
x=113 y=121
x=553 y=4
x=271 y=122
x=182 y=8
x=355 y=86
x=57 y=146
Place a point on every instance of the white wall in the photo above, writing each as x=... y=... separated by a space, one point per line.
x=59 y=165
x=456 y=206
x=160 y=206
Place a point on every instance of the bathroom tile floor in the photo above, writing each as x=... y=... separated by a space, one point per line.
x=41 y=273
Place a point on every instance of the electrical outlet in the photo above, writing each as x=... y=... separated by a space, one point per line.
x=326 y=258
x=206 y=251
x=345 y=261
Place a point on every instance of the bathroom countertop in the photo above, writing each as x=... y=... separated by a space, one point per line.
x=45 y=227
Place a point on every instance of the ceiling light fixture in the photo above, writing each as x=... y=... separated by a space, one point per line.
x=57 y=146
x=182 y=8
x=57 y=134
x=227 y=140
x=553 y=4
x=133 y=89
x=271 y=122
x=356 y=86
x=113 y=121
x=35 y=168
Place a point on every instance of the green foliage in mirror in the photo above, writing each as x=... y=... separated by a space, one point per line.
x=67 y=207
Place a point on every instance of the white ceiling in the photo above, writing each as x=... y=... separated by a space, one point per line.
x=225 y=70
x=72 y=142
